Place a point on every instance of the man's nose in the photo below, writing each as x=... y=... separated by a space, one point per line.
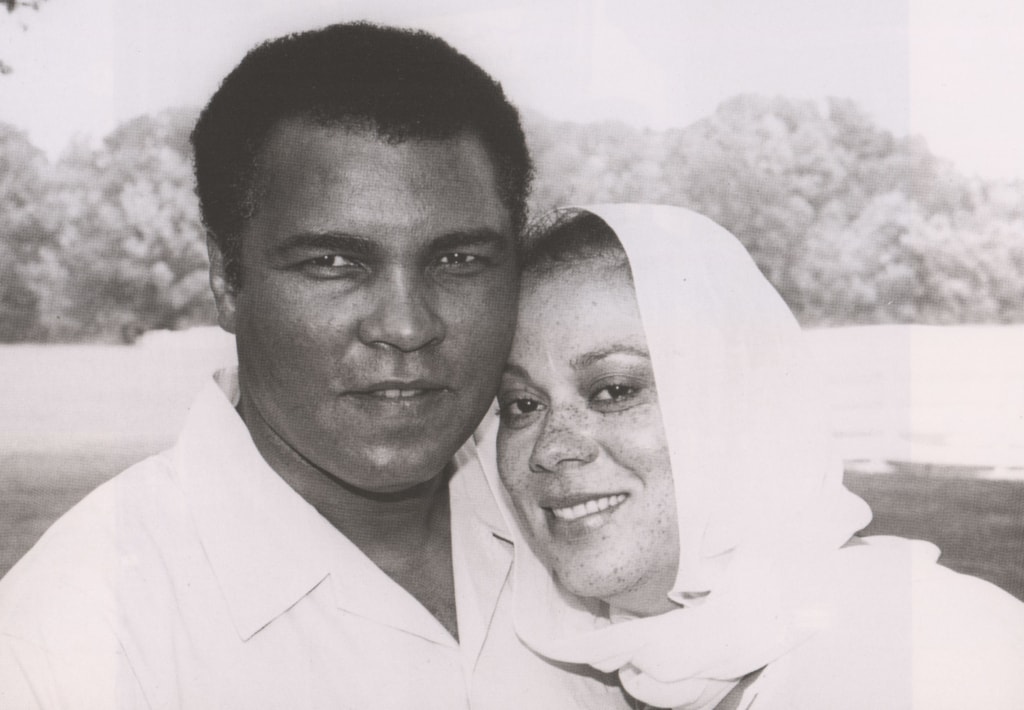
x=403 y=315
x=564 y=443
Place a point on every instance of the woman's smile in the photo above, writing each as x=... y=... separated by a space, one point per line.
x=589 y=507
x=585 y=522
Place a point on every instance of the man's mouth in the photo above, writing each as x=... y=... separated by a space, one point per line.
x=397 y=393
x=399 y=389
x=588 y=507
x=399 y=402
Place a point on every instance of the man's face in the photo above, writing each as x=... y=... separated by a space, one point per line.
x=376 y=304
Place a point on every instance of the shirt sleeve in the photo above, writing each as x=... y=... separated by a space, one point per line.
x=33 y=678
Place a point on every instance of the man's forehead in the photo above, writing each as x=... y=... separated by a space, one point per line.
x=341 y=179
x=292 y=141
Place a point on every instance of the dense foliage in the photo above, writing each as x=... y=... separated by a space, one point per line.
x=11 y=6
x=851 y=224
x=106 y=243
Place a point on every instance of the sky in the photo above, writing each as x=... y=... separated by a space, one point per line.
x=951 y=71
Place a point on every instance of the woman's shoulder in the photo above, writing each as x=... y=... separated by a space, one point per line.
x=946 y=608
x=961 y=638
x=901 y=631
x=968 y=641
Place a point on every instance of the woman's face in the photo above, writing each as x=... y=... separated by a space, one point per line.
x=581 y=446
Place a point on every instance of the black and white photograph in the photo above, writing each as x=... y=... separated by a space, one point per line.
x=500 y=355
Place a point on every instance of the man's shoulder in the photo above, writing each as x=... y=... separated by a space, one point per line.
x=83 y=553
x=62 y=605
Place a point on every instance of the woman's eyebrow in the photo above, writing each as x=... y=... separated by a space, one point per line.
x=512 y=369
x=589 y=358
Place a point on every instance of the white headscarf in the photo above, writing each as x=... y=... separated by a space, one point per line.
x=761 y=505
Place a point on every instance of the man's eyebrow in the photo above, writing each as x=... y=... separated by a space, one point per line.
x=361 y=246
x=328 y=241
x=587 y=359
x=470 y=238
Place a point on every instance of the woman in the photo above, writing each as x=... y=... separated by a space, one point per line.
x=695 y=535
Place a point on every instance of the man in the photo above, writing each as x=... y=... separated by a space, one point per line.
x=320 y=536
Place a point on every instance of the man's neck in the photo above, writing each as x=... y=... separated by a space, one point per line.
x=390 y=524
x=406 y=533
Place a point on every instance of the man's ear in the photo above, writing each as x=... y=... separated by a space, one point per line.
x=223 y=289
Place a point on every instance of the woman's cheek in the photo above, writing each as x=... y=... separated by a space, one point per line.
x=514 y=467
x=636 y=440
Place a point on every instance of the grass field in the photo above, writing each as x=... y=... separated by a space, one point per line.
x=36 y=488
x=978 y=524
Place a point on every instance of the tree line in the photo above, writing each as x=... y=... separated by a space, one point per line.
x=852 y=224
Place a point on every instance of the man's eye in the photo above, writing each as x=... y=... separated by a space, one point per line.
x=331 y=261
x=458 y=258
x=330 y=266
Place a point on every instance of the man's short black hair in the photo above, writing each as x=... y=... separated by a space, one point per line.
x=400 y=84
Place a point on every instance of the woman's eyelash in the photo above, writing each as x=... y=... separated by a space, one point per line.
x=531 y=405
x=615 y=392
x=518 y=412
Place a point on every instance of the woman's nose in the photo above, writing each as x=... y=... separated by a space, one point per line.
x=402 y=315
x=563 y=444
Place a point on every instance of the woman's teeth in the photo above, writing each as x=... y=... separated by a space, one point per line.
x=595 y=505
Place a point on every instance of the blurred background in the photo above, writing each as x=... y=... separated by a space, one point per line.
x=868 y=155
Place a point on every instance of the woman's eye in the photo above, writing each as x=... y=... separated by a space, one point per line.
x=614 y=393
x=525 y=406
x=518 y=412
x=618 y=397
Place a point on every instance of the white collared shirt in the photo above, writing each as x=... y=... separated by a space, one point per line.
x=199 y=579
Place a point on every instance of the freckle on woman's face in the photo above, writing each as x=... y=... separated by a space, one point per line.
x=581 y=446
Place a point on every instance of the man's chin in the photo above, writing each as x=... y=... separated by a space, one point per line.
x=391 y=472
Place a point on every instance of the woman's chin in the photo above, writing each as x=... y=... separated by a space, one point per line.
x=633 y=596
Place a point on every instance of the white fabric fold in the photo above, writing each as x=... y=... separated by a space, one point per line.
x=761 y=507
x=778 y=600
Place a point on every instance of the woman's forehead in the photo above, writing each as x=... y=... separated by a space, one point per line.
x=566 y=276
x=578 y=309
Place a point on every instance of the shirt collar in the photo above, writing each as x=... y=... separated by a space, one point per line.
x=241 y=508
x=267 y=546
x=496 y=515
x=477 y=455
